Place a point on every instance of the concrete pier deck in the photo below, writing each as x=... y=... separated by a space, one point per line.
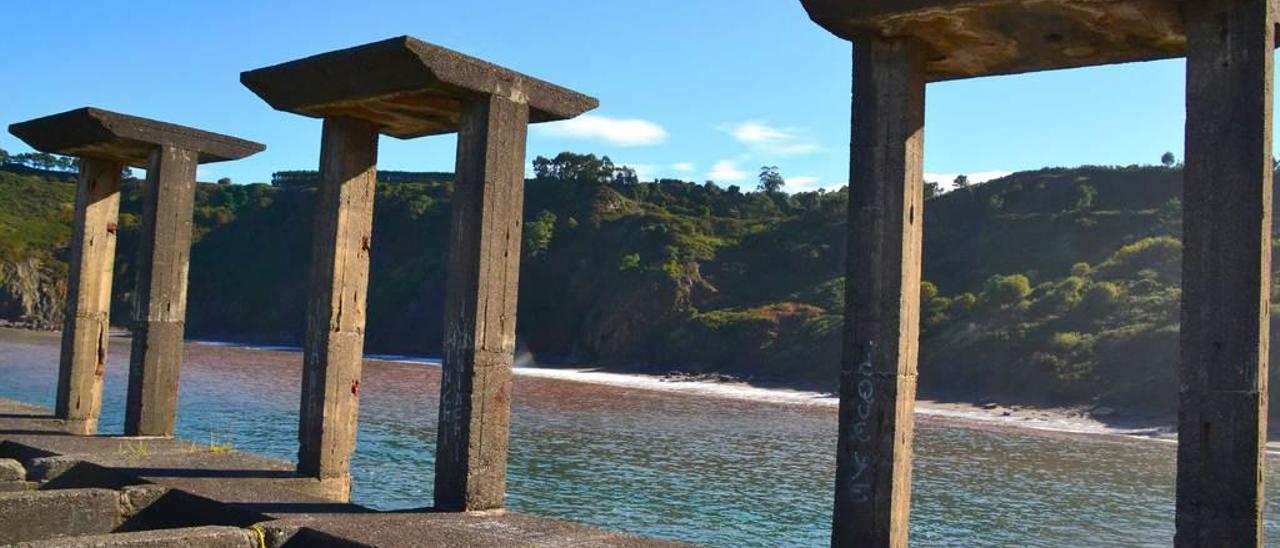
x=123 y=491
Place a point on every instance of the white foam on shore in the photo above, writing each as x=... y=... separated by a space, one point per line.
x=1031 y=419
x=729 y=390
x=1050 y=421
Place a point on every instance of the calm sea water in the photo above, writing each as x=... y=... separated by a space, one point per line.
x=706 y=470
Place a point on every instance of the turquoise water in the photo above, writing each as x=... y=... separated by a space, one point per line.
x=706 y=470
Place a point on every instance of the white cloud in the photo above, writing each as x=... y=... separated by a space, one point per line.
x=726 y=171
x=796 y=148
x=764 y=138
x=648 y=172
x=623 y=132
x=947 y=180
x=753 y=132
x=801 y=183
x=644 y=172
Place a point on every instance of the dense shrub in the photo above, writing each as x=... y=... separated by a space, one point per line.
x=1005 y=291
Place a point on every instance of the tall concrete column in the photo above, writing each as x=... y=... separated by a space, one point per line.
x=160 y=295
x=878 y=373
x=1226 y=272
x=334 y=344
x=85 y=331
x=480 y=305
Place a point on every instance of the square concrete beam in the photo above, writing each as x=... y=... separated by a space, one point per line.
x=404 y=87
x=94 y=133
x=968 y=38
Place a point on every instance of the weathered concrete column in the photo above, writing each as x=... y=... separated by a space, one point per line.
x=480 y=306
x=106 y=142
x=878 y=374
x=1226 y=272
x=334 y=345
x=82 y=363
x=160 y=294
x=419 y=89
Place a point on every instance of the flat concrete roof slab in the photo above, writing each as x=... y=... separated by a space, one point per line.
x=968 y=38
x=95 y=133
x=405 y=87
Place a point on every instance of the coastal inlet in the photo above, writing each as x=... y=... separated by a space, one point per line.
x=694 y=467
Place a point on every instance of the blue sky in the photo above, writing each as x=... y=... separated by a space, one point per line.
x=693 y=89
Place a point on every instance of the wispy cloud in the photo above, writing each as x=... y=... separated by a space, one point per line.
x=644 y=172
x=947 y=180
x=623 y=132
x=726 y=171
x=768 y=139
x=802 y=183
x=647 y=172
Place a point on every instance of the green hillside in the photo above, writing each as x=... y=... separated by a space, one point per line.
x=1057 y=286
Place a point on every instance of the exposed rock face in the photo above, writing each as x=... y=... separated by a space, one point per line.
x=32 y=293
x=624 y=321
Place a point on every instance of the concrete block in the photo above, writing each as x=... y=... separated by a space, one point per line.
x=12 y=486
x=136 y=498
x=47 y=468
x=12 y=470
x=194 y=537
x=37 y=515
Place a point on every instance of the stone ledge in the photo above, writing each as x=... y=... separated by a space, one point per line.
x=192 y=537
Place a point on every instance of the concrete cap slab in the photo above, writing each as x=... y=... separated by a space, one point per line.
x=967 y=38
x=405 y=87
x=95 y=133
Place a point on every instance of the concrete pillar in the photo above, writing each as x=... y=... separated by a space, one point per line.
x=1226 y=272
x=160 y=295
x=85 y=331
x=334 y=344
x=480 y=306
x=878 y=374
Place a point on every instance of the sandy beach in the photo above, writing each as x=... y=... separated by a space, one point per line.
x=1048 y=420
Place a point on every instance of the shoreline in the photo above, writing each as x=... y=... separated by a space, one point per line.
x=1061 y=422
x=1051 y=421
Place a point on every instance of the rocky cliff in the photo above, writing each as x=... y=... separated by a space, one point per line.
x=32 y=293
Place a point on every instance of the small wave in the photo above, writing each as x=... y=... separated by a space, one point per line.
x=732 y=390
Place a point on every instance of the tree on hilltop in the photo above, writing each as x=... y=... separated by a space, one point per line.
x=931 y=190
x=583 y=168
x=771 y=182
